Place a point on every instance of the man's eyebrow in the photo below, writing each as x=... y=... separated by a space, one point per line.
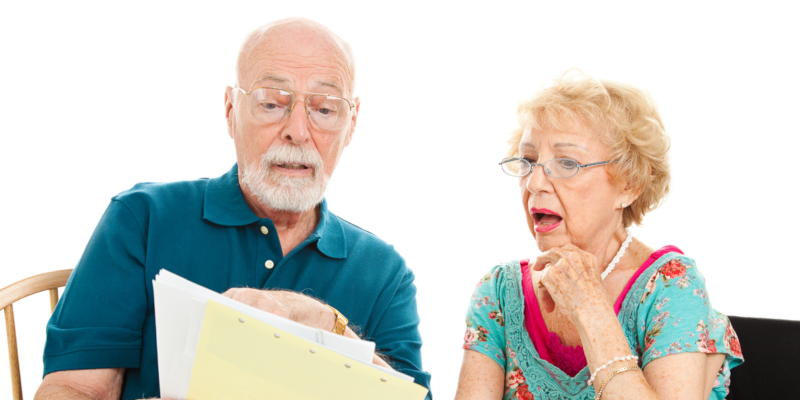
x=330 y=84
x=282 y=81
x=273 y=78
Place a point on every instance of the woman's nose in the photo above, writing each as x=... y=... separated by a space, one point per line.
x=537 y=180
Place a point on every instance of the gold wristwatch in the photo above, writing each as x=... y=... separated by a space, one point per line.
x=341 y=322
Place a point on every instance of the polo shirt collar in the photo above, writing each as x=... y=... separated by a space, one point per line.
x=224 y=205
x=224 y=202
x=332 y=241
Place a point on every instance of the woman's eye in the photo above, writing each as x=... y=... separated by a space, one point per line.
x=567 y=163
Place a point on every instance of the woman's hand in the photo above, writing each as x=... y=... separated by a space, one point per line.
x=571 y=282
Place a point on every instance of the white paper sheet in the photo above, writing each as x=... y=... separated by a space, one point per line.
x=180 y=305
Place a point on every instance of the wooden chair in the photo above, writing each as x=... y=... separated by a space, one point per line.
x=9 y=295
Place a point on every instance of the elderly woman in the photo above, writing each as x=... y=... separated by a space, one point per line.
x=598 y=314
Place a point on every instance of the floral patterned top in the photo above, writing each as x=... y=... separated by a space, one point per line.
x=667 y=311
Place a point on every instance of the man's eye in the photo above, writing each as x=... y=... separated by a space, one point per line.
x=269 y=106
x=326 y=111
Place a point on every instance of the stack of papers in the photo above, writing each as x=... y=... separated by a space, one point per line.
x=212 y=347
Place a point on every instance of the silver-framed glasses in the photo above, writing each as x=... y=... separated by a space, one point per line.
x=559 y=168
x=273 y=105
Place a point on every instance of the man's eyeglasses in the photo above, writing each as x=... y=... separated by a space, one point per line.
x=559 y=168
x=272 y=105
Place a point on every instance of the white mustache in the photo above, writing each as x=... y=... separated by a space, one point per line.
x=282 y=192
x=288 y=154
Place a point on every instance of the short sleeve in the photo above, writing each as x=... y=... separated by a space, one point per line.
x=675 y=316
x=485 y=323
x=98 y=321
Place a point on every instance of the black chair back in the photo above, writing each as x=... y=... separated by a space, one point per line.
x=771 y=369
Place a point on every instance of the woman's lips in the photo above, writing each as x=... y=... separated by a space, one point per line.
x=545 y=220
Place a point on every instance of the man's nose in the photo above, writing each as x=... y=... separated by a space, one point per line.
x=538 y=181
x=296 y=128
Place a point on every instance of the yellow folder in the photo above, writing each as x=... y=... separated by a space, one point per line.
x=239 y=357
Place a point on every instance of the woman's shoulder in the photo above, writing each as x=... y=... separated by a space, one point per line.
x=502 y=271
x=671 y=278
x=671 y=269
x=486 y=315
x=496 y=282
x=674 y=313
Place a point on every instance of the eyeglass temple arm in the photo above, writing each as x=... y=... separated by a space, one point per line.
x=597 y=163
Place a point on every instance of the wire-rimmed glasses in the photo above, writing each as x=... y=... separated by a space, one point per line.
x=559 y=168
x=273 y=105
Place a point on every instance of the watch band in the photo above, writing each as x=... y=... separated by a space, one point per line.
x=341 y=322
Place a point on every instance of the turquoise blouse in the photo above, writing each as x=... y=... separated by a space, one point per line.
x=667 y=311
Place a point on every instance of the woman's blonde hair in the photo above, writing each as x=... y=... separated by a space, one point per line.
x=625 y=118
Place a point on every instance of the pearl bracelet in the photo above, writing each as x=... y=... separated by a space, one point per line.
x=602 y=367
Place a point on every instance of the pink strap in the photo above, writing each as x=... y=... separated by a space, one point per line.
x=534 y=322
x=653 y=257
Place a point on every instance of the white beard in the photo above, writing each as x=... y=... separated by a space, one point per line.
x=283 y=193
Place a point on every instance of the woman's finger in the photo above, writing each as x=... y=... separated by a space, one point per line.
x=548 y=257
x=548 y=304
x=547 y=287
x=543 y=294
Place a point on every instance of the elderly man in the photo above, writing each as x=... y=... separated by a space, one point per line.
x=264 y=224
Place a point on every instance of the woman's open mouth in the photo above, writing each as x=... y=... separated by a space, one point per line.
x=545 y=220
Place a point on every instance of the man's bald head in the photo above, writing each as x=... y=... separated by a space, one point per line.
x=274 y=36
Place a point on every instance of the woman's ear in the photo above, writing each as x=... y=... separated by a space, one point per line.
x=629 y=191
x=628 y=195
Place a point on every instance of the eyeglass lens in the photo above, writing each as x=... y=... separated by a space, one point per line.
x=557 y=167
x=325 y=112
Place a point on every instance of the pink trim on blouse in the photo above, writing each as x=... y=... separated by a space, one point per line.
x=568 y=358
x=534 y=322
x=653 y=257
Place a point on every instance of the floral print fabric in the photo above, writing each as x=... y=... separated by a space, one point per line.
x=670 y=313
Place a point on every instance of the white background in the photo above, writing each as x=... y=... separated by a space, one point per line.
x=97 y=97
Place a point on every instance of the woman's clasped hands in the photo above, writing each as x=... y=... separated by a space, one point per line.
x=570 y=281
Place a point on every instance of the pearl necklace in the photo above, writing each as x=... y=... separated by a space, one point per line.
x=621 y=251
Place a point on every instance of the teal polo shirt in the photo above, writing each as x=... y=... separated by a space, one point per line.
x=204 y=231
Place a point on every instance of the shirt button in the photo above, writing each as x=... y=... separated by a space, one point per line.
x=269 y=264
x=264 y=230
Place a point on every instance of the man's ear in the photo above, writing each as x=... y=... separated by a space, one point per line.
x=357 y=102
x=229 y=115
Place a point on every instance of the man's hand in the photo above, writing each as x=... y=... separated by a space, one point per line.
x=294 y=306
